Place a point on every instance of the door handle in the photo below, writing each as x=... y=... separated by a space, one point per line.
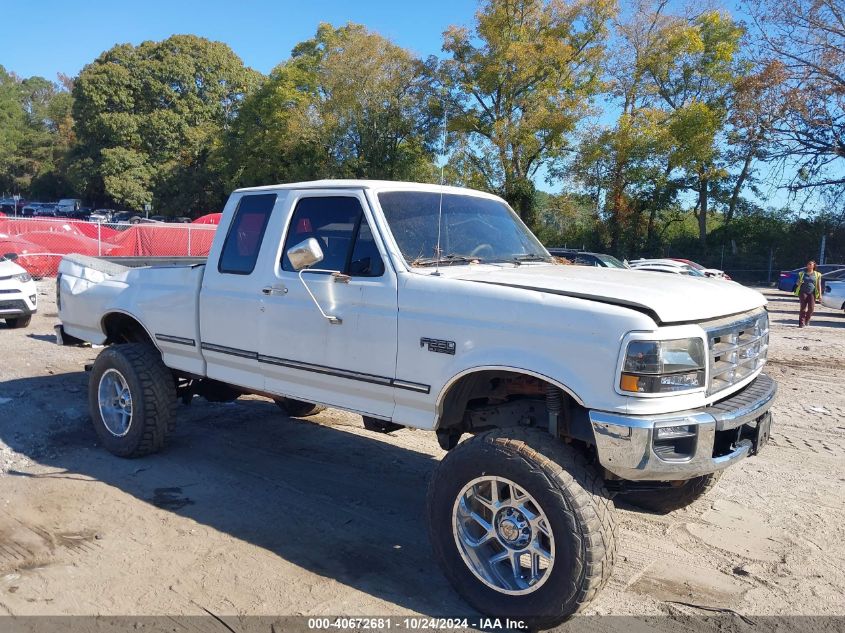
x=274 y=290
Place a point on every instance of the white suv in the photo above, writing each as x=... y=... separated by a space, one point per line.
x=18 y=296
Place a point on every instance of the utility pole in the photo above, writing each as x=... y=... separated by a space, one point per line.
x=822 y=249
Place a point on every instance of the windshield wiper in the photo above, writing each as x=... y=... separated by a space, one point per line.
x=530 y=257
x=451 y=258
x=525 y=257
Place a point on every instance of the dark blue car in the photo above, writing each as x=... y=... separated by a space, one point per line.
x=789 y=278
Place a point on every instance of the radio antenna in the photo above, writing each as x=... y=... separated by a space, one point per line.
x=437 y=250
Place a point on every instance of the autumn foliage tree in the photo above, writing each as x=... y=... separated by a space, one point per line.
x=518 y=84
x=806 y=39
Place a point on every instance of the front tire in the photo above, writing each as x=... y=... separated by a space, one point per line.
x=521 y=525
x=666 y=500
x=132 y=398
x=19 y=322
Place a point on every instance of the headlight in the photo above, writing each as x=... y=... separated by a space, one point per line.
x=22 y=277
x=663 y=366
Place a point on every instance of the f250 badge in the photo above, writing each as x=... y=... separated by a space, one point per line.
x=438 y=345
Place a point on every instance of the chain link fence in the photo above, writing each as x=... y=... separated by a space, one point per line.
x=40 y=243
x=760 y=263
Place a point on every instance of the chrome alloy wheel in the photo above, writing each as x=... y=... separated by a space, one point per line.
x=503 y=535
x=115 y=402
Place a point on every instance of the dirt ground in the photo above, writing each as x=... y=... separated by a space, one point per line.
x=249 y=512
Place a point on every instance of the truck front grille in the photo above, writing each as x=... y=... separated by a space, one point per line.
x=738 y=347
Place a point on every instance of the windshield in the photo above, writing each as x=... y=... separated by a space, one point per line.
x=471 y=229
x=611 y=262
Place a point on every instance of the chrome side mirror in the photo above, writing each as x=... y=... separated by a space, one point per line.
x=305 y=254
x=302 y=257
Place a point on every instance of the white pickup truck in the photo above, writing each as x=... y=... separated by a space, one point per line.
x=436 y=308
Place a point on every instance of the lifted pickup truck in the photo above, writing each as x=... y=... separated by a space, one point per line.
x=436 y=308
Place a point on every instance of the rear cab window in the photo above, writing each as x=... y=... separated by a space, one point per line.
x=246 y=232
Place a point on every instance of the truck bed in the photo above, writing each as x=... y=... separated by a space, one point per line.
x=162 y=296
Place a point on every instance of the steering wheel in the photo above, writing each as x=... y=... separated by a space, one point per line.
x=476 y=252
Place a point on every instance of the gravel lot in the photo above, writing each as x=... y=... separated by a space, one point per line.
x=249 y=512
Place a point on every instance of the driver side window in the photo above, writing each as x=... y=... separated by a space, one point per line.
x=339 y=225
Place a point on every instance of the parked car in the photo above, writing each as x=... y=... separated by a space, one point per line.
x=788 y=279
x=83 y=214
x=666 y=266
x=67 y=205
x=574 y=380
x=834 y=275
x=833 y=293
x=12 y=207
x=18 y=293
x=101 y=215
x=586 y=258
x=46 y=211
x=29 y=209
x=708 y=272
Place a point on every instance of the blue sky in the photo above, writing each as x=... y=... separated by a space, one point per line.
x=48 y=36
x=45 y=37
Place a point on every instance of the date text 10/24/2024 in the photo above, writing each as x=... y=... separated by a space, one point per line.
x=415 y=624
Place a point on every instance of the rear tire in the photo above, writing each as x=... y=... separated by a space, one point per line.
x=299 y=408
x=132 y=374
x=550 y=501
x=19 y=322
x=674 y=498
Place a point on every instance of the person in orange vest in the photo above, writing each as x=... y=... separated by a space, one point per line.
x=808 y=290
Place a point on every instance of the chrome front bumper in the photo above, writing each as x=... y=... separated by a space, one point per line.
x=725 y=433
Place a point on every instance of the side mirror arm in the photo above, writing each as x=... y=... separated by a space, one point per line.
x=334 y=320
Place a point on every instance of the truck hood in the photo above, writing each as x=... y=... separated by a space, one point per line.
x=667 y=297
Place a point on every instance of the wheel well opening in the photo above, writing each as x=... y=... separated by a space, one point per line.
x=499 y=398
x=122 y=328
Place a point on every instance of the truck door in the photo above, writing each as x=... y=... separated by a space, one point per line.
x=230 y=298
x=347 y=361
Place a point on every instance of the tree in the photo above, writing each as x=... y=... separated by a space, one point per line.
x=519 y=83
x=375 y=101
x=276 y=137
x=12 y=129
x=672 y=77
x=756 y=108
x=349 y=103
x=148 y=117
x=34 y=133
x=693 y=65
x=628 y=165
x=807 y=38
